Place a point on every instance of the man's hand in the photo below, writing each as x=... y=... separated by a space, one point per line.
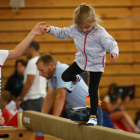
x=18 y=102
x=2 y=120
x=37 y=30
x=114 y=58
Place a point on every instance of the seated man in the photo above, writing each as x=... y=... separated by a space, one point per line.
x=52 y=71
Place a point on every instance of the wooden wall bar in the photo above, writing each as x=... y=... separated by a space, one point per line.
x=69 y=47
x=6 y=14
x=108 y=24
x=73 y=3
x=13 y=37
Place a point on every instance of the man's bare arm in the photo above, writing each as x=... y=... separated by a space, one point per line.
x=22 y=46
x=59 y=102
x=48 y=100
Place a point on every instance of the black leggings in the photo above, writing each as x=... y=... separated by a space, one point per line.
x=70 y=75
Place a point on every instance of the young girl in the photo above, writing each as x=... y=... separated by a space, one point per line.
x=92 y=42
x=18 y=51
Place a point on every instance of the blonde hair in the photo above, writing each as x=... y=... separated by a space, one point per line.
x=85 y=14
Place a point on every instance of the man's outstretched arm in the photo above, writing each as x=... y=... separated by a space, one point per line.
x=22 y=46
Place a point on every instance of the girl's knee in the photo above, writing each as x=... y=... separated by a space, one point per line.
x=65 y=77
x=68 y=77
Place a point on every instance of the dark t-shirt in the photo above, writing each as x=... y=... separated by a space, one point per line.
x=15 y=84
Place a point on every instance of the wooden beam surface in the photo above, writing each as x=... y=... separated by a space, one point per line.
x=68 y=130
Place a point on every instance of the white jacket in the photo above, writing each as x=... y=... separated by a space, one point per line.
x=92 y=47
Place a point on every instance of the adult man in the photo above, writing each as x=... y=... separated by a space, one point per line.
x=51 y=70
x=34 y=89
x=18 y=51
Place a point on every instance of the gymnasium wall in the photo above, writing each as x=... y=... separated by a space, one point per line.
x=121 y=18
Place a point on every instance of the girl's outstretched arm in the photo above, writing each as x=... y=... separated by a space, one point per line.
x=61 y=33
x=22 y=46
x=109 y=44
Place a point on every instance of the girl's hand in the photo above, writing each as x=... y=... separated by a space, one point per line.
x=37 y=30
x=46 y=28
x=1 y=120
x=114 y=58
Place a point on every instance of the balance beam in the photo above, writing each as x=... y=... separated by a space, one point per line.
x=68 y=130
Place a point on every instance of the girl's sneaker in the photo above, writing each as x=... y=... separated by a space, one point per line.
x=92 y=121
x=73 y=84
